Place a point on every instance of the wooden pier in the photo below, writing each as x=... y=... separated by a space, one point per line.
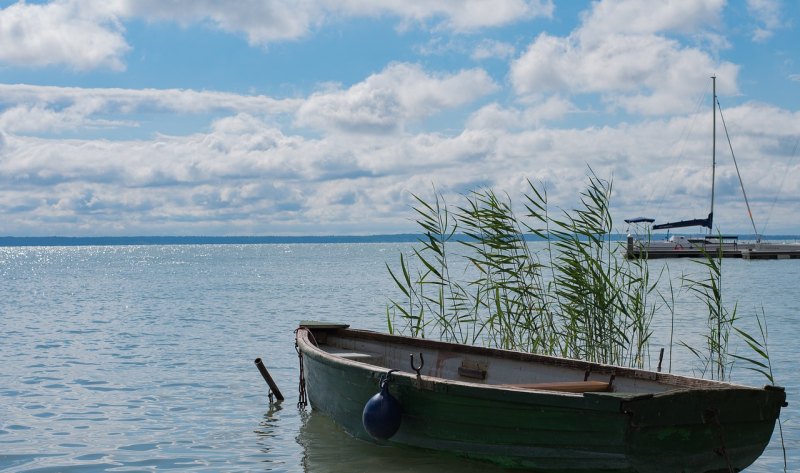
x=727 y=248
x=744 y=254
x=684 y=253
x=770 y=254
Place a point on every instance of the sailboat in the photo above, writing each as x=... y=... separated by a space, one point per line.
x=679 y=246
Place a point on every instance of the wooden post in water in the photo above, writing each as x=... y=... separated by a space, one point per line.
x=272 y=386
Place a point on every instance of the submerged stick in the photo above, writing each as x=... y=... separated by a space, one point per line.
x=272 y=386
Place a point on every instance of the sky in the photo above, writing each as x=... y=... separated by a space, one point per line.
x=327 y=117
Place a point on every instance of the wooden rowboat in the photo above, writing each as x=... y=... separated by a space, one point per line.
x=536 y=412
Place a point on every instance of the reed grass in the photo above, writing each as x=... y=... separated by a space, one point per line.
x=720 y=320
x=576 y=298
x=475 y=280
x=759 y=362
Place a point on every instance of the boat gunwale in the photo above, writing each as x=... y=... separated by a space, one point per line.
x=604 y=401
x=671 y=381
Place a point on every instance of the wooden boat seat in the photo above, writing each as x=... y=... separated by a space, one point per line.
x=567 y=386
x=355 y=356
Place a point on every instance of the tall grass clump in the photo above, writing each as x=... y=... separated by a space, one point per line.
x=475 y=279
x=715 y=356
x=720 y=321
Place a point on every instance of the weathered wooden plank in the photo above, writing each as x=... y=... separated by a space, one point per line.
x=566 y=386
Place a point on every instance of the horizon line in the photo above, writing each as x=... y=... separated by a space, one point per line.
x=10 y=241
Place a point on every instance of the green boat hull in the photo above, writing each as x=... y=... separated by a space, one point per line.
x=686 y=430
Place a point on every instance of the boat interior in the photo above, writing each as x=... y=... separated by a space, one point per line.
x=448 y=362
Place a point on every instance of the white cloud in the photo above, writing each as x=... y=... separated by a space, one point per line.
x=128 y=100
x=491 y=49
x=51 y=109
x=245 y=175
x=618 y=53
x=262 y=22
x=257 y=145
x=89 y=34
x=768 y=15
x=644 y=17
x=536 y=113
x=383 y=102
x=64 y=32
x=359 y=109
x=241 y=170
x=461 y=15
x=38 y=118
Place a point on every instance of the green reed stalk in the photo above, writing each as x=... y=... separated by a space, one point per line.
x=507 y=283
x=760 y=362
x=720 y=320
x=670 y=306
x=582 y=302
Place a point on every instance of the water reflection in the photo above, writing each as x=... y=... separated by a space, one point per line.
x=328 y=449
x=268 y=426
x=275 y=435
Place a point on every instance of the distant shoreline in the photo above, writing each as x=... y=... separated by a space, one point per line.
x=201 y=240
x=10 y=241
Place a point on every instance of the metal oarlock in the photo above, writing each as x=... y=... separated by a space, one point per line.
x=421 y=363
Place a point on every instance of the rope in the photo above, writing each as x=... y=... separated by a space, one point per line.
x=738 y=174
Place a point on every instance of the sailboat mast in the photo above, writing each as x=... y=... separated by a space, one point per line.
x=713 y=147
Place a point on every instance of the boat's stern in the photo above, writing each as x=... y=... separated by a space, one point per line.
x=700 y=430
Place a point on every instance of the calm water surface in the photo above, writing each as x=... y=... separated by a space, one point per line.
x=140 y=358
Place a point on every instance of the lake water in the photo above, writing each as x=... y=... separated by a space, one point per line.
x=140 y=358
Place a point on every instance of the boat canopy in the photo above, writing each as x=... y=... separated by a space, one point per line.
x=640 y=220
x=698 y=222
